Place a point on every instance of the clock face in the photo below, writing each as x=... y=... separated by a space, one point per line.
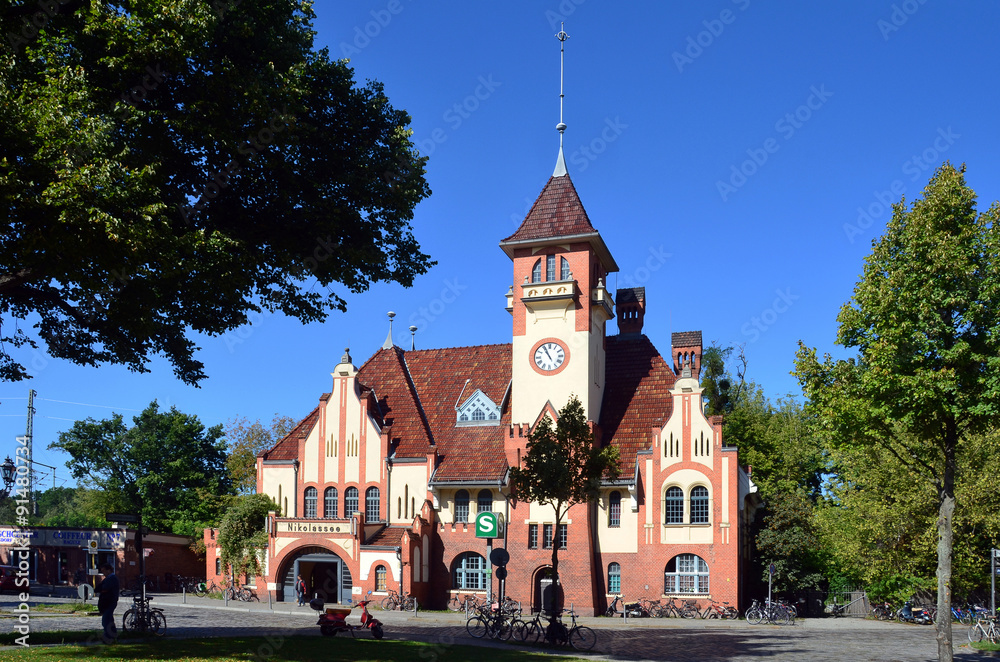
x=549 y=356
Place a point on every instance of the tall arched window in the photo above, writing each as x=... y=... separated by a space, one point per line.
x=614 y=578
x=536 y=271
x=685 y=573
x=550 y=268
x=615 y=509
x=484 y=502
x=699 y=505
x=563 y=269
x=673 y=506
x=350 y=501
x=372 y=505
x=380 y=574
x=312 y=496
x=469 y=572
x=462 y=506
x=330 y=503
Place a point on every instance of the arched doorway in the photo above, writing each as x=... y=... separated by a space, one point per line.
x=326 y=575
x=543 y=590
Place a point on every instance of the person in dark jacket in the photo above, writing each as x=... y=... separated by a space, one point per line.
x=107 y=600
x=300 y=590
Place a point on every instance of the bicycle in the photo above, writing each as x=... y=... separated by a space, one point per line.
x=774 y=612
x=143 y=618
x=985 y=628
x=722 y=611
x=579 y=637
x=496 y=625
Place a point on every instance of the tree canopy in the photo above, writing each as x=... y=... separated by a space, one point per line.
x=167 y=467
x=242 y=535
x=246 y=441
x=926 y=327
x=169 y=166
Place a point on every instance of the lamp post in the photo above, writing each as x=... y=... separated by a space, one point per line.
x=7 y=470
x=399 y=557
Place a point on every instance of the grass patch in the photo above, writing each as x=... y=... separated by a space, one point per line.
x=279 y=649
x=59 y=608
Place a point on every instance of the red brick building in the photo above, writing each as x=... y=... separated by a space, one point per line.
x=379 y=485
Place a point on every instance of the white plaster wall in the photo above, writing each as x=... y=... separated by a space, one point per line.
x=623 y=538
x=273 y=476
x=409 y=481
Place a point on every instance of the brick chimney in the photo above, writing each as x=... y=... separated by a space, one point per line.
x=686 y=350
x=631 y=310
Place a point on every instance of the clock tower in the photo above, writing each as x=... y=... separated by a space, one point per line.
x=560 y=304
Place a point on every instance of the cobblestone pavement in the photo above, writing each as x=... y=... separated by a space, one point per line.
x=646 y=639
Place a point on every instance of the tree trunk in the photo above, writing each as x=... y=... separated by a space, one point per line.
x=946 y=512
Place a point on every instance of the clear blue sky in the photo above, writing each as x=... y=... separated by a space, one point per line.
x=827 y=108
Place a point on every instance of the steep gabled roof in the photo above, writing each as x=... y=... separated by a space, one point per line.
x=557 y=212
x=636 y=396
x=288 y=447
x=385 y=373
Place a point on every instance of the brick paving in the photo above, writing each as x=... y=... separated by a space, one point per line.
x=640 y=639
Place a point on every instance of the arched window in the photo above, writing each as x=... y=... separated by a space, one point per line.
x=312 y=496
x=685 y=573
x=462 y=506
x=372 y=505
x=699 y=505
x=563 y=269
x=469 y=572
x=550 y=268
x=350 y=501
x=536 y=271
x=330 y=503
x=478 y=415
x=484 y=502
x=673 y=506
x=615 y=510
x=380 y=574
x=614 y=578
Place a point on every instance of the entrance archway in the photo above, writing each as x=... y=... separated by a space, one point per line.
x=326 y=575
x=542 y=591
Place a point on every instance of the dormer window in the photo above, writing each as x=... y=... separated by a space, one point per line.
x=478 y=410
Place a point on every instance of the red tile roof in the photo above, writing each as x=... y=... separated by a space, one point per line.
x=386 y=375
x=636 y=396
x=387 y=536
x=288 y=447
x=685 y=339
x=557 y=212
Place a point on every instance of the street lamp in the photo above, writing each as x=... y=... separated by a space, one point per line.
x=7 y=470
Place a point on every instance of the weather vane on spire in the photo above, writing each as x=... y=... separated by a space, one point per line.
x=561 y=127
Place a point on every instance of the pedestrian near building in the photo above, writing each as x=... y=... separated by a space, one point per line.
x=300 y=590
x=107 y=600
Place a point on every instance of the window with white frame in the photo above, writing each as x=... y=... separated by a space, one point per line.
x=615 y=509
x=330 y=502
x=310 y=502
x=372 y=500
x=536 y=271
x=550 y=268
x=686 y=573
x=673 y=506
x=350 y=501
x=563 y=269
x=484 y=502
x=469 y=572
x=478 y=410
x=462 y=506
x=699 y=505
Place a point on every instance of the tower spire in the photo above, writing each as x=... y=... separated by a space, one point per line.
x=561 y=127
x=388 y=339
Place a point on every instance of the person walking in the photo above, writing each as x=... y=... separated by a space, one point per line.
x=300 y=590
x=107 y=600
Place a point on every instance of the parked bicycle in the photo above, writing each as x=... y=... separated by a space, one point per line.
x=773 y=612
x=984 y=628
x=494 y=623
x=463 y=603
x=403 y=601
x=143 y=618
x=717 y=610
x=579 y=637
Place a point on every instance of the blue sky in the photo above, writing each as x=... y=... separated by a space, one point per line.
x=737 y=157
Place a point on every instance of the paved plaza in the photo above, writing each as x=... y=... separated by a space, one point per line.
x=848 y=639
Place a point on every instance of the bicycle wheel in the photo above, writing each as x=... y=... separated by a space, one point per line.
x=157 y=623
x=476 y=627
x=128 y=619
x=582 y=638
x=409 y=603
x=387 y=604
x=731 y=613
x=754 y=616
x=976 y=633
x=531 y=632
x=501 y=629
x=455 y=604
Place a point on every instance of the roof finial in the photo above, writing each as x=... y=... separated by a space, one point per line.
x=413 y=334
x=388 y=339
x=561 y=127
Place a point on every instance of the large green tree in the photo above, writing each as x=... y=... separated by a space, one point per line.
x=167 y=467
x=924 y=322
x=242 y=535
x=246 y=441
x=169 y=166
x=563 y=466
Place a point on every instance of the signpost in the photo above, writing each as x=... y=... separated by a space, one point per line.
x=994 y=555
x=130 y=518
x=489 y=525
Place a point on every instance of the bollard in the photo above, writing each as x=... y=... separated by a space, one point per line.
x=184 y=595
